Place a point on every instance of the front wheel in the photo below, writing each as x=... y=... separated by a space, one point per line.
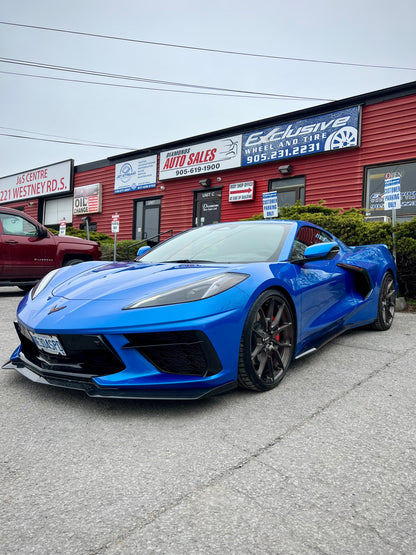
x=72 y=262
x=386 y=304
x=268 y=342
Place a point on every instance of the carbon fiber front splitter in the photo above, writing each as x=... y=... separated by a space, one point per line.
x=93 y=390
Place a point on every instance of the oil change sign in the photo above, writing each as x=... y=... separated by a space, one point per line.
x=332 y=131
x=190 y=161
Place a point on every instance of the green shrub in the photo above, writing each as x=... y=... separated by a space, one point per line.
x=106 y=243
x=75 y=232
x=107 y=249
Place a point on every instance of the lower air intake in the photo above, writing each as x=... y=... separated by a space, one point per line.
x=181 y=352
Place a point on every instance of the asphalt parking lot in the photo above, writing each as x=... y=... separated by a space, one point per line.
x=323 y=464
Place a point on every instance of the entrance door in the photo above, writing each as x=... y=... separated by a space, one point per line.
x=207 y=207
x=147 y=220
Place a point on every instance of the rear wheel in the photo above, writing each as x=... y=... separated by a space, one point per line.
x=268 y=342
x=386 y=304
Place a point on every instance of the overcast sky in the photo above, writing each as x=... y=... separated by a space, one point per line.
x=369 y=32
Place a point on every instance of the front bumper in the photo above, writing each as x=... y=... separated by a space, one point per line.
x=154 y=353
x=24 y=367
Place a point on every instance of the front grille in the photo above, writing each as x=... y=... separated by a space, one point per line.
x=88 y=356
x=180 y=352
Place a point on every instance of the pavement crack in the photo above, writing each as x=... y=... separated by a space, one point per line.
x=152 y=516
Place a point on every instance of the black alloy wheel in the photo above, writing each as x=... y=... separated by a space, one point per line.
x=386 y=304
x=268 y=342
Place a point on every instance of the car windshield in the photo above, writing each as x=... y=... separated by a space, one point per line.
x=223 y=243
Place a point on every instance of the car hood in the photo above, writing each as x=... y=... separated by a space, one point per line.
x=126 y=281
x=70 y=239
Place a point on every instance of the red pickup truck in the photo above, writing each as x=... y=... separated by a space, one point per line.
x=28 y=250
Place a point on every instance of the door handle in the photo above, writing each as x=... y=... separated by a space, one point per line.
x=11 y=242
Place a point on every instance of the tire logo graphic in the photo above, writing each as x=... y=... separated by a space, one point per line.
x=126 y=172
x=343 y=138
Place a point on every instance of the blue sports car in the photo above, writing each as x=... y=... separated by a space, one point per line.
x=211 y=309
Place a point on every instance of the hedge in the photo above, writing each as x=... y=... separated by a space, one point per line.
x=351 y=227
x=106 y=243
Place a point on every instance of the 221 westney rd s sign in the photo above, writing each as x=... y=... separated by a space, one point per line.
x=322 y=133
x=40 y=182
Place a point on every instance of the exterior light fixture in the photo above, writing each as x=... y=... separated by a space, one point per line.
x=285 y=170
x=205 y=182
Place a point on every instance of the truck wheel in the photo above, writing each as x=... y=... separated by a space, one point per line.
x=72 y=262
x=26 y=288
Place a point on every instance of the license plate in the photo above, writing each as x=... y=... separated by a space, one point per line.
x=48 y=343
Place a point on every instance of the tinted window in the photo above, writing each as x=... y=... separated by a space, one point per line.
x=306 y=237
x=376 y=179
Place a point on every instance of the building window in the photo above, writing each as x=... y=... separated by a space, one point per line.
x=57 y=209
x=289 y=190
x=147 y=220
x=375 y=179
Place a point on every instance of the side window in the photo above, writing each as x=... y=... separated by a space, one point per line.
x=15 y=225
x=306 y=237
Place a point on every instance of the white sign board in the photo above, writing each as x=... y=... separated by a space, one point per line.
x=115 y=223
x=241 y=191
x=135 y=175
x=270 y=207
x=40 y=182
x=392 y=196
x=62 y=227
x=189 y=161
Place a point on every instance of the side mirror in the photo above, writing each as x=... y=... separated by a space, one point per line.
x=42 y=233
x=143 y=250
x=321 y=251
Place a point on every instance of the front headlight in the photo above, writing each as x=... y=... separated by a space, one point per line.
x=193 y=291
x=43 y=283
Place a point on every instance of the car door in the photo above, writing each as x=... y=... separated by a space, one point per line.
x=25 y=254
x=322 y=287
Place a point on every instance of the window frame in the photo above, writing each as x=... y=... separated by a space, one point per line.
x=283 y=185
x=409 y=192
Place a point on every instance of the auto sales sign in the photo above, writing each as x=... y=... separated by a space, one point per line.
x=202 y=158
x=326 y=132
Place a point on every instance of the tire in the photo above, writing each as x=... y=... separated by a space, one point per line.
x=72 y=262
x=267 y=343
x=26 y=288
x=386 y=304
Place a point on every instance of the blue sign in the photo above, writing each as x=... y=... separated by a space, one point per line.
x=332 y=131
x=270 y=206
x=392 y=196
